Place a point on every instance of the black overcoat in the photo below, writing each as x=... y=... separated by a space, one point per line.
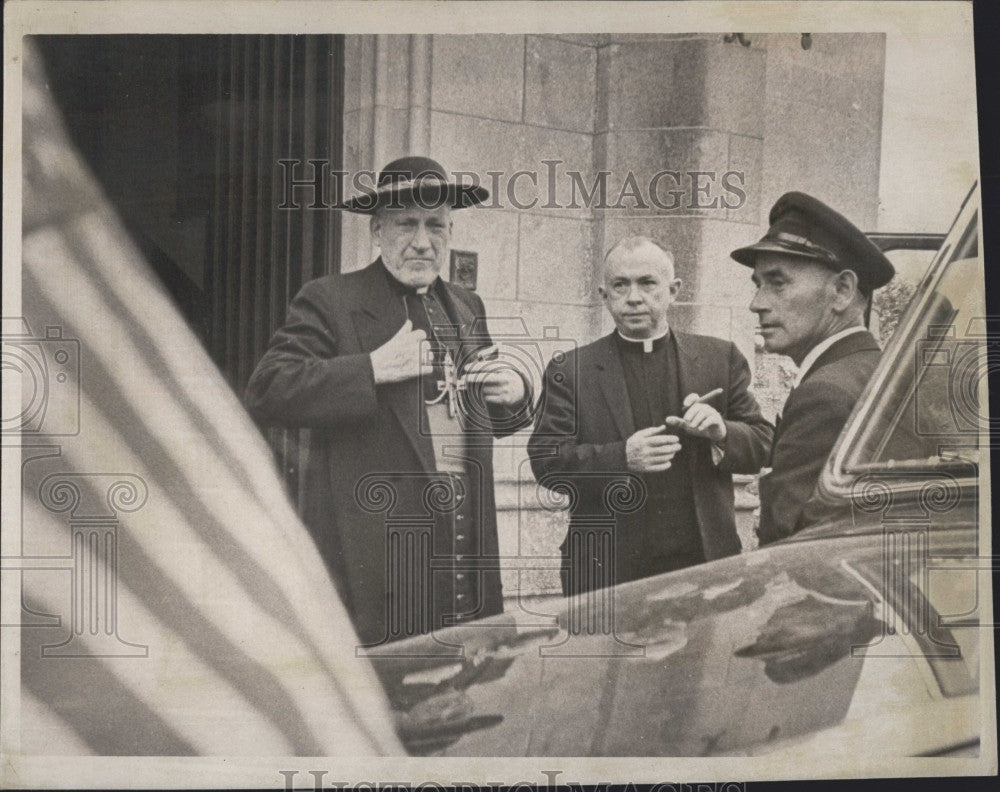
x=811 y=420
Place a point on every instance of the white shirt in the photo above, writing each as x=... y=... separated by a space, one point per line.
x=820 y=348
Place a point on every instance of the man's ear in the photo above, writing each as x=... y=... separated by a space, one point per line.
x=603 y=292
x=846 y=286
x=374 y=225
x=675 y=287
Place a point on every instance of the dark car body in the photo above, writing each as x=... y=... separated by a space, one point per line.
x=861 y=629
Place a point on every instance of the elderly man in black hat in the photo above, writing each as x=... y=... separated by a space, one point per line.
x=394 y=372
x=815 y=273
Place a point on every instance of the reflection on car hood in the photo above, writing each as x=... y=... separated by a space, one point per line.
x=721 y=658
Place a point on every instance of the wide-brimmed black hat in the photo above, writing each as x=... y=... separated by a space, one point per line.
x=806 y=228
x=421 y=178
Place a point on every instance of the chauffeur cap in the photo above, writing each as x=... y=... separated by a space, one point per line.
x=415 y=176
x=807 y=228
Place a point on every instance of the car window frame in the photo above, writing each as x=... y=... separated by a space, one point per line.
x=836 y=480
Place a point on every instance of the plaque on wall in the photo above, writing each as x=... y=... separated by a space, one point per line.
x=464 y=266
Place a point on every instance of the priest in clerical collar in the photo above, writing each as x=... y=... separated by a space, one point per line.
x=664 y=415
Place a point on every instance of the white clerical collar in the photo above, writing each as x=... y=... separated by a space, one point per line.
x=647 y=343
x=820 y=348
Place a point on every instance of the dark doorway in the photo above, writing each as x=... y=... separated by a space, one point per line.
x=185 y=135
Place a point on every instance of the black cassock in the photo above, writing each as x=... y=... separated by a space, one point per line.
x=411 y=544
x=664 y=535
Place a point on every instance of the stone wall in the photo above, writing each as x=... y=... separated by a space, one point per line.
x=780 y=116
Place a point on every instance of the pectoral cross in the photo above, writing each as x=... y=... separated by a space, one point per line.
x=451 y=385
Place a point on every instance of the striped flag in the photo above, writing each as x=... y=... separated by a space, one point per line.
x=167 y=599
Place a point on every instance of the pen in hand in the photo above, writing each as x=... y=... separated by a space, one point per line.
x=704 y=424
x=710 y=395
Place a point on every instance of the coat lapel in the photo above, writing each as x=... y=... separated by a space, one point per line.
x=849 y=345
x=379 y=313
x=690 y=377
x=857 y=342
x=611 y=376
x=688 y=368
x=378 y=317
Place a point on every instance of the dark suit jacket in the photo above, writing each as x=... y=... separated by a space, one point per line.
x=317 y=373
x=584 y=421
x=811 y=421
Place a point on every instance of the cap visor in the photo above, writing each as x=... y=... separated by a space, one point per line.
x=747 y=256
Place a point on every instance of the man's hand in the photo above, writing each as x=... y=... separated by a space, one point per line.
x=498 y=382
x=399 y=358
x=700 y=420
x=650 y=451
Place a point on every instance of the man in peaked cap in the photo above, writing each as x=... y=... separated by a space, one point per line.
x=386 y=366
x=815 y=273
